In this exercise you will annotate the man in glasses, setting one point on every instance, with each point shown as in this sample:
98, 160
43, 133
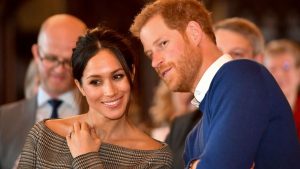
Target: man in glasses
55, 96
240, 38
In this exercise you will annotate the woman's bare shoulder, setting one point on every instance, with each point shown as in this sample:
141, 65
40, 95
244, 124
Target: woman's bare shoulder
62, 127
145, 142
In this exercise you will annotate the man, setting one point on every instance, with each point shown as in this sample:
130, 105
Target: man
179, 130
282, 58
238, 37
246, 118
52, 54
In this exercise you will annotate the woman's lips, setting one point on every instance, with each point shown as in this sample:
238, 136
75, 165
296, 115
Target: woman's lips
112, 103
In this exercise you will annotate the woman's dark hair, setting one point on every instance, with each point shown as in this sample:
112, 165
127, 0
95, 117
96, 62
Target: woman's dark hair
98, 39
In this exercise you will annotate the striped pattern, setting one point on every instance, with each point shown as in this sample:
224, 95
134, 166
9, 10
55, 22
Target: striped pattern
46, 149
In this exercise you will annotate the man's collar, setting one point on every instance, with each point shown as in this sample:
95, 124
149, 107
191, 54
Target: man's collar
205, 81
68, 97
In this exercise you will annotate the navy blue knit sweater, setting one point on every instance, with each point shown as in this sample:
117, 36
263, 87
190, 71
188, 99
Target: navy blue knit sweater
246, 119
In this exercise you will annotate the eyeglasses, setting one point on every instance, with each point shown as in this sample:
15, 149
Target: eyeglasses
52, 61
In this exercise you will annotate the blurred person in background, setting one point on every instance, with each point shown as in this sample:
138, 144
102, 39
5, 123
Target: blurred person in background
55, 96
282, 58
240, 38
32, 80
165, 107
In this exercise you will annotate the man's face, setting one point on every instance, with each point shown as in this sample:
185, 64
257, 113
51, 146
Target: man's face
173, 58
55, 78
234, 44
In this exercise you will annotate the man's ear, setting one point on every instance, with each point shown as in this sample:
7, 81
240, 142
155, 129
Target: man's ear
35, 52
79, 87
194, 32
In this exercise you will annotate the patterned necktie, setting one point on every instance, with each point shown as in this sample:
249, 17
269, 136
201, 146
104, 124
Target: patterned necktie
54, 104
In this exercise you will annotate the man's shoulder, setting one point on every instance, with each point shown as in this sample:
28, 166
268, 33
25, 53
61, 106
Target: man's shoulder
184, 123
187, 118
242, 64
241, 69
18, 106
12, 105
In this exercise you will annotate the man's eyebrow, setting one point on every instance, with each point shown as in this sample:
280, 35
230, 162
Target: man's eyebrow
156, 41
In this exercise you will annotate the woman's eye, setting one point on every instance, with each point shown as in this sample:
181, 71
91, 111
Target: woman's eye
95, 82
118, 76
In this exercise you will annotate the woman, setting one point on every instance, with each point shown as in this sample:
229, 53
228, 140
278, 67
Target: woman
165, 107
103, 69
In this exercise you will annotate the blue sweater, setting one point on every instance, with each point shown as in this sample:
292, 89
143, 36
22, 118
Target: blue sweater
246, 119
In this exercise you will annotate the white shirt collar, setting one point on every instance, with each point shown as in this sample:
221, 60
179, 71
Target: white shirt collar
67, 98
205, 81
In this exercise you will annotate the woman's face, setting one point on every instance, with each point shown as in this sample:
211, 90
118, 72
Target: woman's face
105, 85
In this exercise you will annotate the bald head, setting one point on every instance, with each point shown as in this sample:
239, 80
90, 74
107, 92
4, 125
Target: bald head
63, 29
57, 38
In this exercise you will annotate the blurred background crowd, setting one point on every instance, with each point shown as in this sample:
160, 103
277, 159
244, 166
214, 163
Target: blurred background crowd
20, 21
155, 107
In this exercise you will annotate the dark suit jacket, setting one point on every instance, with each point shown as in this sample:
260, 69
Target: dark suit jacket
180, 128
16, 119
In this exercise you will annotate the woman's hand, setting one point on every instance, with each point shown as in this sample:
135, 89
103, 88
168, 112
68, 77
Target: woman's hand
82, 139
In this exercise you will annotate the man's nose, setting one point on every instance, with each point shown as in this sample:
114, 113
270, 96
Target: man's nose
157, 59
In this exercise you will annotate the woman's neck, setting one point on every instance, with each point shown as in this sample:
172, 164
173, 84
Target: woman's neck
107, 129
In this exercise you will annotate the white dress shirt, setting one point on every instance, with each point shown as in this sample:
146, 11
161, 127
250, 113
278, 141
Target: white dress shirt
204, 83
69, 107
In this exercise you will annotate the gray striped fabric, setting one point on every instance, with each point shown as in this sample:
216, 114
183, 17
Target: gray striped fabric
46, 149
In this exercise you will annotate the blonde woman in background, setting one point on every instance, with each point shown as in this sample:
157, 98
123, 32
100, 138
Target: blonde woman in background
166, 106
32, 80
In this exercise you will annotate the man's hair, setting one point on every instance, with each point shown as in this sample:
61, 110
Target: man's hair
282, 46
176, 14
245, 28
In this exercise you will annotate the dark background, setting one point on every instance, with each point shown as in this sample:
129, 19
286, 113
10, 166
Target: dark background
20, 21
